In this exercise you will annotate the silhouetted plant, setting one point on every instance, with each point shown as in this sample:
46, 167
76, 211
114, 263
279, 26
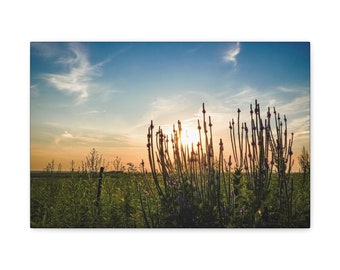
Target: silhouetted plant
93, 161
304, 162
258, 150
189, 181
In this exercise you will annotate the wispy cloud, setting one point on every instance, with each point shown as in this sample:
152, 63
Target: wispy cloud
297, 106
79, 76
92, 112
67, 135
92, 139
300, 126
34, 90
194, 49
286, 89
46, 49
165, 108
231, 54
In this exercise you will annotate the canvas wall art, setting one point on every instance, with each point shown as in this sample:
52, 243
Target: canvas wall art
170, 134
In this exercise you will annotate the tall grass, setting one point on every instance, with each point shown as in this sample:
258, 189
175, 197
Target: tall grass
258, 151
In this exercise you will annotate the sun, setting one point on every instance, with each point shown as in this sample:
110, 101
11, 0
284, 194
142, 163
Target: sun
190, 136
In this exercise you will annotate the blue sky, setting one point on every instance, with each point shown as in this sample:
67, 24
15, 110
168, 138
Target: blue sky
103, 95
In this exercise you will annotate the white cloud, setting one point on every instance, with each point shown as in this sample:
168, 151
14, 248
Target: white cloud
80, 73
45, 49
232, 53
67, 135
90, 138
286, 89
93, 112
297, 105
62, 137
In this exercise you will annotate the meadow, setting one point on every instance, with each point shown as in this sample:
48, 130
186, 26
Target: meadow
187, 185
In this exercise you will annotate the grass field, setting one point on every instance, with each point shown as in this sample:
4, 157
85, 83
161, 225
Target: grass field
69, 200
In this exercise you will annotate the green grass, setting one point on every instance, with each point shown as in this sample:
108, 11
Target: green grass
68, 200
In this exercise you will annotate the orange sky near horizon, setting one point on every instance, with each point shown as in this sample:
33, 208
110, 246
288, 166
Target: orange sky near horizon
41, 156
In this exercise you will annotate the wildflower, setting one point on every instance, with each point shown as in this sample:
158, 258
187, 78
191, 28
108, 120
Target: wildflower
179, 125
230, 163
221, 143
245, 127
268, 113
238, 110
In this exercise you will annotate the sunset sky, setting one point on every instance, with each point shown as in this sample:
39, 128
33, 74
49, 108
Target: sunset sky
103, 95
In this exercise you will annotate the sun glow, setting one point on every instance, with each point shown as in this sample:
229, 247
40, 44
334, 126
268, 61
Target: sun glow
190, 136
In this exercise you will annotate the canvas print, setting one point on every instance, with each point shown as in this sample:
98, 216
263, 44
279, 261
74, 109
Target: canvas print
170, 134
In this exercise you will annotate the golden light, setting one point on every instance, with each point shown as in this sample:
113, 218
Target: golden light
190, 136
